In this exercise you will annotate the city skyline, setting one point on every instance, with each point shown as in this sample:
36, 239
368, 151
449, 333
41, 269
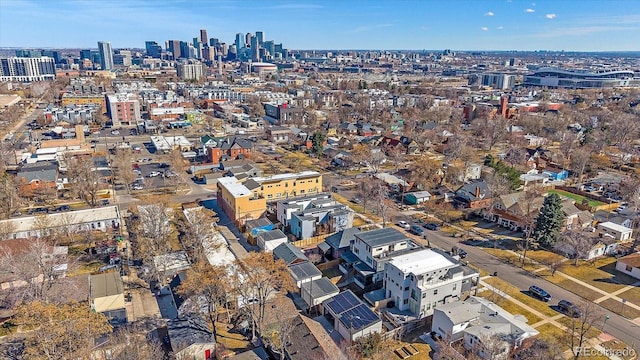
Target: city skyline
411, 25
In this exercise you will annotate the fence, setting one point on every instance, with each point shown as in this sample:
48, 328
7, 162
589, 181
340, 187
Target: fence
310, 242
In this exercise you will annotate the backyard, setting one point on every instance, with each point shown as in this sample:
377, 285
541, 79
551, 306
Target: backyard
576, 197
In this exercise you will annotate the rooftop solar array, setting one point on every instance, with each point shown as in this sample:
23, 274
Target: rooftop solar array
342, 302
359, 317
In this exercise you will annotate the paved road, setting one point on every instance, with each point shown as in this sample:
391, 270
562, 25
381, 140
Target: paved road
616, 325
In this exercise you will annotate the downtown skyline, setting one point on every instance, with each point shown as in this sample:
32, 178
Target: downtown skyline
410, 25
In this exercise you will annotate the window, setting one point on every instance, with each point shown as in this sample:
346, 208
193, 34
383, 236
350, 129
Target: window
455, 286
424, 295
435, 292
406, 288
405, 301
628, 268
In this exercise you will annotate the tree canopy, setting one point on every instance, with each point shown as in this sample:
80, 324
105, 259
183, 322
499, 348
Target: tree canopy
549, 221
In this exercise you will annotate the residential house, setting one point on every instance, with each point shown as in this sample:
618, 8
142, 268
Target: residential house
309, 340
475, 195
231, 148
289, 253
304, 272
555, 174
475, 319
278, 134
321, 217
107, 296
171, 264
629, 265
618, 232
240, 168
96, 219
338, 243
369, 251
600, 245
421, 280
190, 338
350, 316
269, 240
285, 208
38, 176
347, 128
317, 291
48, 257
514, 211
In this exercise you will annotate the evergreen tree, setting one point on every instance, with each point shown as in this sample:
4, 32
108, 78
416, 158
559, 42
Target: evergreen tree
549, 221
317, 141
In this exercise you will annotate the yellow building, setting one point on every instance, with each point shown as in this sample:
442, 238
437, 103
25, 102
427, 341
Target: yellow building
284, 186
238, 202
107, 295
247, 200
68, 99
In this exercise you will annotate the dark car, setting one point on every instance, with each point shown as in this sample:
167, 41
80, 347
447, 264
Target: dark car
463, 254
416, 230
432, 226
62, 208
164, 166
569, 308
539, 293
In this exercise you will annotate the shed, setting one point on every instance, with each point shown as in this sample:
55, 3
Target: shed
269, 240
315, 292
304, 272
417, 197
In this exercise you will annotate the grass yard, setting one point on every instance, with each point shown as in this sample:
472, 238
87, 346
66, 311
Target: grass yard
357, 207
357, 222
424, 350
517, 294
617, 307
512, 307
544, 257
553, 334
86, 268
574, 287
506, 256
592, 273
621, 349
231, 341
633, 293
331, 272
592, 333
576, 197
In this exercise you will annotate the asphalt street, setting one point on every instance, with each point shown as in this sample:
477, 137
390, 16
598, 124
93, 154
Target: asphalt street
616, 325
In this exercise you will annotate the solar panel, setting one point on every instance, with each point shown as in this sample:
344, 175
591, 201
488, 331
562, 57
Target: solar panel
343, 301
359, 317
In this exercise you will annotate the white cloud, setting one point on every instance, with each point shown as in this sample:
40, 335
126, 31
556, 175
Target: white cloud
490, 13
550, 16
533, 4
365, 28
530, 10
484, 28
500, 27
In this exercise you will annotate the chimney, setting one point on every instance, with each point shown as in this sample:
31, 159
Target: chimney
477, 191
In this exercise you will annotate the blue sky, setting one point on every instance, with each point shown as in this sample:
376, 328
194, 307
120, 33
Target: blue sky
581, 25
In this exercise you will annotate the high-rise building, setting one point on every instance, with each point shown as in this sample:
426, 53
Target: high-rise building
184, 50
260, 37
174, 48
85, 54
190, 70
123, 57
239, 41
214, 41
153, 49
247, 39
270, 46
203, 36
29, 53
123, 109
106, 55
255, 49
55, 54
27, 69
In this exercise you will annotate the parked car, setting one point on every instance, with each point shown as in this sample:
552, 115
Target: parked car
569, 308
154, 174
539, 293
115, 132
403, 224
415, 229
62, 208
164, 165
137, 186
432, 226
356, 200
463, 254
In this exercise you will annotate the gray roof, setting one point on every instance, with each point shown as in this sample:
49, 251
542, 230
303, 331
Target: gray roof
379, 237
106, 284
342, 239
321, 287
468, 191
252, 224
186, 332
272, 235
303, 271
289, 253
43, 175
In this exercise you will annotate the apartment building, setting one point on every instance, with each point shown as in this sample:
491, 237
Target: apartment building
27, 69
238, 201
420, 280
322, 217
123, 109
287, 185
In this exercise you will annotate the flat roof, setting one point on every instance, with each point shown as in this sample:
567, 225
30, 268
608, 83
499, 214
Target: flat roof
321, 287
420, 262
70, 217
615, 227
305, 270
234, 186
107, 284
287, 176
379, 237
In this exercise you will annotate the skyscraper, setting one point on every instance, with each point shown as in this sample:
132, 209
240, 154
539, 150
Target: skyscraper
255, 49
239, 41
174, 48
153, 49
260, 37
270, 47
203, 36
27, 69
247, 39
85, 54
106, 55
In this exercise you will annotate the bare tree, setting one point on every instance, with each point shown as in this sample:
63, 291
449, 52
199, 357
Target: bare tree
397, 154
491, 130
575, 335
153, 228
197, 229
10, 200
574, 243
539, 349
122, 160
85, 180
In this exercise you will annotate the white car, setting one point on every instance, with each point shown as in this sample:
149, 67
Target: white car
154, 174
115, 132
403, 224
137, 186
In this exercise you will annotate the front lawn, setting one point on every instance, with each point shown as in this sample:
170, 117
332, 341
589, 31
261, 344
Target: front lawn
511, 307
620, 309
517, 294
593, 274
574, 287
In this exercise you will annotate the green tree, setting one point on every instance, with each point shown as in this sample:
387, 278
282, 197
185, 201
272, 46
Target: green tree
317, 140
549, 221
